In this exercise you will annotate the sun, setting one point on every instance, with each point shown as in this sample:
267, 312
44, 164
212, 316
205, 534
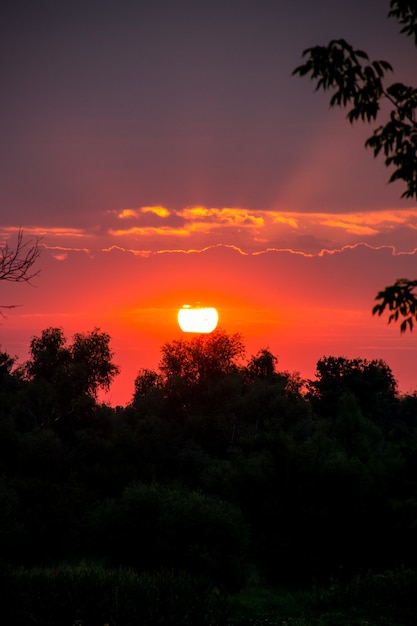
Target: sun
196, 319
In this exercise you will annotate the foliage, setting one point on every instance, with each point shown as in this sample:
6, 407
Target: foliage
10, 384
385, 599
90, 594
202, 358
146, 382
405, 12
401, 300
6, 364
338, 66
92, 362
390, 593
192, 373
64, 376
152, 527
86, 364
51, 358
360, 84
371, 382
262, 365
249, 472
266, 606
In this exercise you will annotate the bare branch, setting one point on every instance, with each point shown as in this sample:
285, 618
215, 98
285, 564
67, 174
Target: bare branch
16, 263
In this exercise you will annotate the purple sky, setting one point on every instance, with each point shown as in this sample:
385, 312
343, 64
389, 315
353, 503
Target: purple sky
116, 104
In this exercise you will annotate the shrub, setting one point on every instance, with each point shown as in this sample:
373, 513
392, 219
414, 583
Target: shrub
154, 526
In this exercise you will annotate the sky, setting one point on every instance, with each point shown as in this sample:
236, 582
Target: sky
164, 154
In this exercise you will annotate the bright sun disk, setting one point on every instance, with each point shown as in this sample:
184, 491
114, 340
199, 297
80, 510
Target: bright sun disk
195, 319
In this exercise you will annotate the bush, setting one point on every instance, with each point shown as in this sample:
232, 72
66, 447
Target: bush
154, 526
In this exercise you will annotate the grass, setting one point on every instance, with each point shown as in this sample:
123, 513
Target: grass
267, 606
95, 595
388, 599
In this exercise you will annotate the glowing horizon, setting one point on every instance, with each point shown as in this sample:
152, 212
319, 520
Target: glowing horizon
300, 305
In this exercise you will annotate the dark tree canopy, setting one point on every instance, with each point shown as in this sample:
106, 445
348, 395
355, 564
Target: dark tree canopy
203, 357
147, 381
360, 84
262, 365
64, 374
92, 364
236, 474
50, 356
372, 383
6, 364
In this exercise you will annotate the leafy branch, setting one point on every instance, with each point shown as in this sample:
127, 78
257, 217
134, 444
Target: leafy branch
357, 82
400, 299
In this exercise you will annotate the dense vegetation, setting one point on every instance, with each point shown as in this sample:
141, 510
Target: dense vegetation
222, 472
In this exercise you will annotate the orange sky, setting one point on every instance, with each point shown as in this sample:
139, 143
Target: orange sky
302, 302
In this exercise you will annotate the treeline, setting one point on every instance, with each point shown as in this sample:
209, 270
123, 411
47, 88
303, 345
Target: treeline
221, 467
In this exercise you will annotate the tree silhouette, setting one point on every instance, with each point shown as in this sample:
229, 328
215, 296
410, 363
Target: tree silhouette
203, 357
262, 365
65, 376
372, 383
358, 83
16, 262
